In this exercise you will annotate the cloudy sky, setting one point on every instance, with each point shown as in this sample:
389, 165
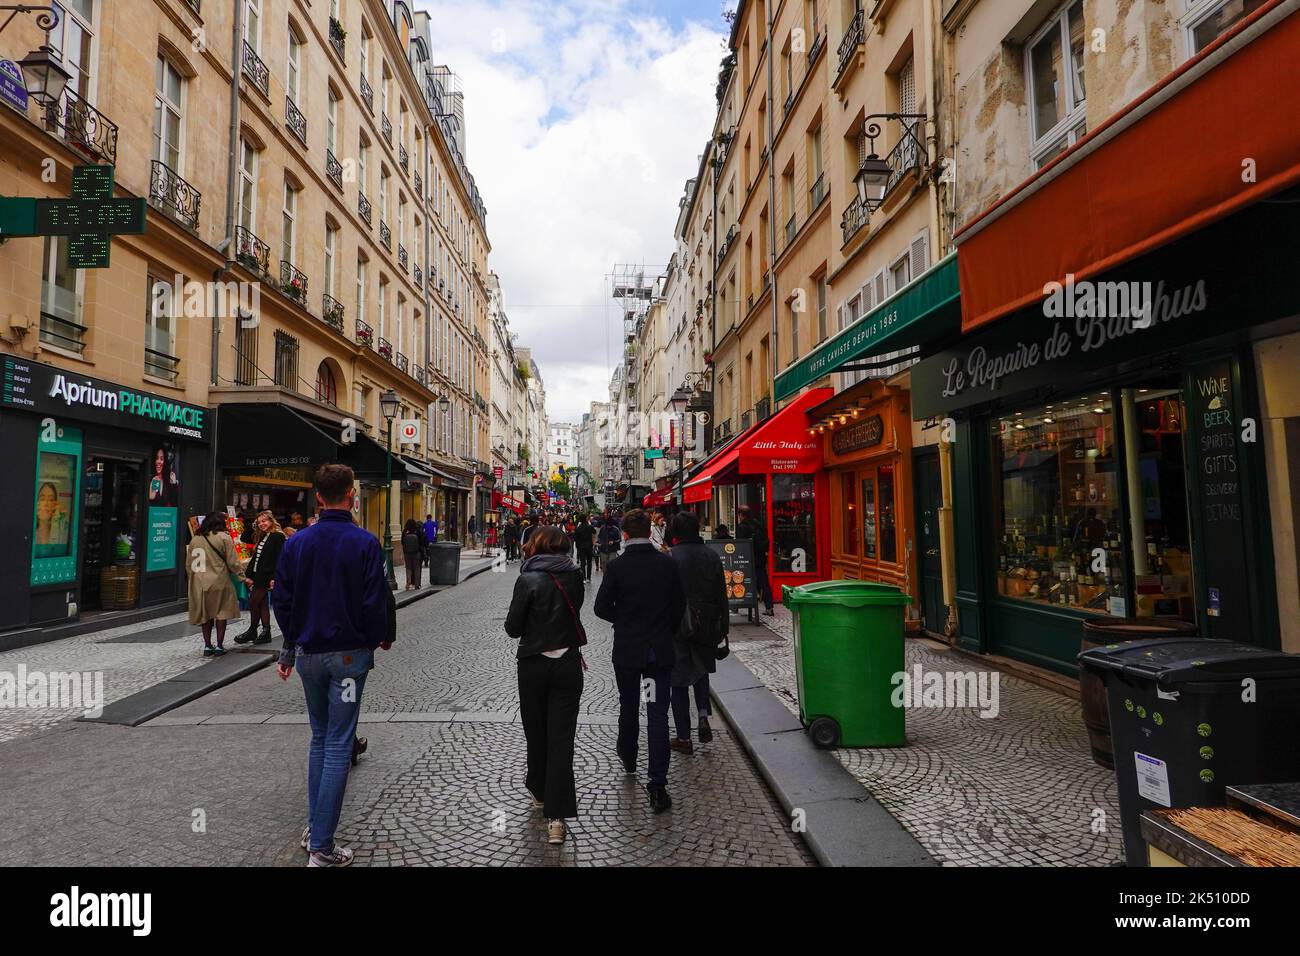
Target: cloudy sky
584, 120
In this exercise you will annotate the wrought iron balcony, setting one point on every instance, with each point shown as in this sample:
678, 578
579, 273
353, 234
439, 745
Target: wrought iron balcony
401, 256
193, 5
367, 95
365, 334
256, 70
386, 127
745, 419
403, 158
252, 252
333, 169
817, 193
363, 207
855, 217
338, 36
903, 159
385, 235
762, 409
294, 119
331, 311
854, 36
817, 46
385, 348
418, 276
293, 282
420, 374
791, 227
173, 195
418, 184
402, 362
83, 127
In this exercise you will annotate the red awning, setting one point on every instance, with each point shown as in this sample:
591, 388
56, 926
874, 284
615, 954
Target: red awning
777, 445
1214, 136
655, 499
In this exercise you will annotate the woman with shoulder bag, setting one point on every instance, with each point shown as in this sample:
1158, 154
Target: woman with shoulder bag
210, 560
268, 538
544, 618
703, 630
412, 553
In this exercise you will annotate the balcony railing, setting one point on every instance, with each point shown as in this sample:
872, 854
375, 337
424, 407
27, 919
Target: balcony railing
337, 37
418, 184
791, 227
365, 335
854, 36
331, 311
762, 409
402, 362
746, 418
161, 365
256, 70
385, 235
173, 195
333, 169
403, 158
83, 127
293, 282
386, 127
855, 217
817, 46
252, 252
367, 95
903, 159
420, 375
363, 207
817, 193
401, 256
385, 348
62, 332
294, 119
418, 276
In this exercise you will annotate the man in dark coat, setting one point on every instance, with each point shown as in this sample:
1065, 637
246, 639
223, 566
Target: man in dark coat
755, 529
641, 593
704, 627
584, 540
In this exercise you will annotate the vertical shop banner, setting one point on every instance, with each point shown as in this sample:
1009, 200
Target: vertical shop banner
160, 550
1215, 420
58, 491
738, 571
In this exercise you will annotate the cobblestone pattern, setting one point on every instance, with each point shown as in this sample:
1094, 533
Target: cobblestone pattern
1016, 789
444, 786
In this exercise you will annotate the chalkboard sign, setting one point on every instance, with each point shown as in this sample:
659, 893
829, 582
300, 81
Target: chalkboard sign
1216, 473
738, 570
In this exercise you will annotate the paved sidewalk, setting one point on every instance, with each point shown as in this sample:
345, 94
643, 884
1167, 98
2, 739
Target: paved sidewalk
1016, 789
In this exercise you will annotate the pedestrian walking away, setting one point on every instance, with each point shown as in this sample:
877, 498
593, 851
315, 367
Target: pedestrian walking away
412, 553
755, 529
608, 541
544, 617
430, 535
473, 531
331, 600
641, 594
211, 562
268, 540
584, 542
704, 627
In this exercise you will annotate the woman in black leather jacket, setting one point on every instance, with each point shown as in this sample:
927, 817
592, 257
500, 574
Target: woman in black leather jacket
544, 618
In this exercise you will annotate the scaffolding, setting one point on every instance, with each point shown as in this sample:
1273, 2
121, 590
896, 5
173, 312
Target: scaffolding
634, 289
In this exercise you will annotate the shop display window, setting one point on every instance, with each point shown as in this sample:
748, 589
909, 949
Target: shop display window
794, 524
850, 544
888, 517
1058, 513
869, 517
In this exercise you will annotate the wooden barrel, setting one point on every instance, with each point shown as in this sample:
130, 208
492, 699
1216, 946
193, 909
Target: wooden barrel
1092, 688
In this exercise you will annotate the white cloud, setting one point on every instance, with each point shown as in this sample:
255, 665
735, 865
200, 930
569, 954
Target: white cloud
584, 119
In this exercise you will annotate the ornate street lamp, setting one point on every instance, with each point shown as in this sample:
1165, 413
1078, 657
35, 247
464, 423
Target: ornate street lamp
44, 77
873, 174
390, 404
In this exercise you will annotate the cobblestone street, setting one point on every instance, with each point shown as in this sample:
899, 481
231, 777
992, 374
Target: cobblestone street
442, 782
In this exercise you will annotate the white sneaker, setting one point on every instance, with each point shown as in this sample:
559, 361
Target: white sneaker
555, 831
339, 856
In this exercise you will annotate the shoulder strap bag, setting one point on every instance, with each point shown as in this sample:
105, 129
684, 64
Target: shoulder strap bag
577, 621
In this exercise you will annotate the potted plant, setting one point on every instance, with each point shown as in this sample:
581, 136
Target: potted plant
334, 315
296, 289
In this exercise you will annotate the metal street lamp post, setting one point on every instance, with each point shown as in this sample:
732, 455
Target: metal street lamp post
389, 404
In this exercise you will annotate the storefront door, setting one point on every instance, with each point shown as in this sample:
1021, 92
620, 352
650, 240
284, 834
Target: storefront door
111, 555
929, 504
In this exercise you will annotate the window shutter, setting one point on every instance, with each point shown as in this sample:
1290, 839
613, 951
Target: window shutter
879, 281
920, 253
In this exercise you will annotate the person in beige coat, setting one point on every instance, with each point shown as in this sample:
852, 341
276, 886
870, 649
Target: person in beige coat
210, 561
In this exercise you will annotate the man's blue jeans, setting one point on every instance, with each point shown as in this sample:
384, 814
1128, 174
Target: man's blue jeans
332, 684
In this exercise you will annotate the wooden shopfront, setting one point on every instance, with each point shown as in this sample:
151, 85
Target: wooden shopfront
866, 434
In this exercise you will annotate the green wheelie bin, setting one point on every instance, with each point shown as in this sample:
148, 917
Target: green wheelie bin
848, 645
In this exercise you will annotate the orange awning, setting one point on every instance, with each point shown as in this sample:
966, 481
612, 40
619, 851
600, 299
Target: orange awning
777, 445
1213, 137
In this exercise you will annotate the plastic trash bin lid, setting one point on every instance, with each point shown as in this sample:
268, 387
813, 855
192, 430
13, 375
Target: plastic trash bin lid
1196, 659
847, 594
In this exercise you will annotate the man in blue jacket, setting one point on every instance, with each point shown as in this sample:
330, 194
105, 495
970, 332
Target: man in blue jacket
643, 596
331, 600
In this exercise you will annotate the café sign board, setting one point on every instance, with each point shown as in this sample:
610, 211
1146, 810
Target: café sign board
864, 434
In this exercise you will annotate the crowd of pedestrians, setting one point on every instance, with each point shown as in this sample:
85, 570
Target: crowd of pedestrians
325, 579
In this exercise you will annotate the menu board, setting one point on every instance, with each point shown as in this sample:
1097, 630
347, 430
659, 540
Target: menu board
1216, 471
738, 570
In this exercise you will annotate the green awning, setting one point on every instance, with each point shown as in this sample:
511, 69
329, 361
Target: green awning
919, 312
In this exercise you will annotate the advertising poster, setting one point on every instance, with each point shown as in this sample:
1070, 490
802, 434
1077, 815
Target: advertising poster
160, 551
54, 523
164, 480
738, 570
